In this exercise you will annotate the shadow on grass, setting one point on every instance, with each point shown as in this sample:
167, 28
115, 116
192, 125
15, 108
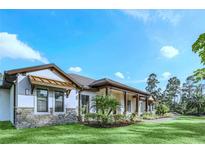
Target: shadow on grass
6, 125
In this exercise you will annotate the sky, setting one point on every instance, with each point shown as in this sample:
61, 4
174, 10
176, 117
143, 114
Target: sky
124, 45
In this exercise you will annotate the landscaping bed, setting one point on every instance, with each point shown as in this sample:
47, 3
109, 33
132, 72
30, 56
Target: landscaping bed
108, 125
151, 116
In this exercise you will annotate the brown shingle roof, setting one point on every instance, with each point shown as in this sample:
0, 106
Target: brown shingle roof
89, 83
109, 82
83, 81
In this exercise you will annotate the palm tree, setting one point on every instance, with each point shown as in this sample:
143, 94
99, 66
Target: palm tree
197, 101
105, 104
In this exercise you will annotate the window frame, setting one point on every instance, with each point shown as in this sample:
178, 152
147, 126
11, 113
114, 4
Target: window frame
42, 112
54, 107
81, 102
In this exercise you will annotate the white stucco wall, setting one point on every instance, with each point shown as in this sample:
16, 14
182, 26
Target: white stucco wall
30, 101
24, 100
47, 74
133, 104
91, 97
72, 99
4, 105
141, 107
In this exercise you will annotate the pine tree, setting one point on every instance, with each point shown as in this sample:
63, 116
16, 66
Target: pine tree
171, 92
152, 86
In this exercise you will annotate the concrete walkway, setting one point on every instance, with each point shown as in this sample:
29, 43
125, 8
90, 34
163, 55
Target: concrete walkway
160, 120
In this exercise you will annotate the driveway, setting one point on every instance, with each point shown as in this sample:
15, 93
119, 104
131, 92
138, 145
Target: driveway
160, 120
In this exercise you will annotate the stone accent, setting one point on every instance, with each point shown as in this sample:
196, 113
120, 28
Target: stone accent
26, 118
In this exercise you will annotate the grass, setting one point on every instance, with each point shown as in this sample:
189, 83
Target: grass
185, 129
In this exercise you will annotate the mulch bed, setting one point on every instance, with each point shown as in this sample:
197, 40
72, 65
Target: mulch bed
100, 125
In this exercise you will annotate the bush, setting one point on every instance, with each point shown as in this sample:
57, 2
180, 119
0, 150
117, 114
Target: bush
90, 117
149, 116
104, 119
167, 115
134, 118
118, 117
161, 109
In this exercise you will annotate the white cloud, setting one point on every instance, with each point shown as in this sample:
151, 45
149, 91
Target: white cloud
169, 16
141, 14
169, 51
166, 75
75, 69
119, 75
11, 47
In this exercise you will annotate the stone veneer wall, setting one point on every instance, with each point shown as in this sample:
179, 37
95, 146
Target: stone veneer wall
25, 118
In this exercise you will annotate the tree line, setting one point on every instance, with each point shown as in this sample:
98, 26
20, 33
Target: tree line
183, 98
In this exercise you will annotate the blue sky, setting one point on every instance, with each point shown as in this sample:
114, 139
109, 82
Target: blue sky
124, 45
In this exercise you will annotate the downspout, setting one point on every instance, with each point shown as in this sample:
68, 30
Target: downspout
79, 115
14, 108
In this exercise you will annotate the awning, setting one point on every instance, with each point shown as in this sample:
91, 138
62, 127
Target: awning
36, 80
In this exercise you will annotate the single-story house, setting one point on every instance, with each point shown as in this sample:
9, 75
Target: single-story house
46, 95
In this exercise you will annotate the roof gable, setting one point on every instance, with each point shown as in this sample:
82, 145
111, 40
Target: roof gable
52, 67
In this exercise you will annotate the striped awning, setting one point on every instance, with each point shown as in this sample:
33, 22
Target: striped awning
36, 80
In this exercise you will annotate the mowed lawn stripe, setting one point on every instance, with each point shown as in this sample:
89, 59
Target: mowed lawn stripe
185, 129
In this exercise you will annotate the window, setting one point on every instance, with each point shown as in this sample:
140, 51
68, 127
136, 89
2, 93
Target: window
42, 100
59, 101
129, 106
85, 103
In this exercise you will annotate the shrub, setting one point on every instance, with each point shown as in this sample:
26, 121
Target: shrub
149, 116
168, 115
90, 117
118, 117
161, 109
104, 119
133, 117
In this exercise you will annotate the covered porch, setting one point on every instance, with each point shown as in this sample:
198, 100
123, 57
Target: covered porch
130, 101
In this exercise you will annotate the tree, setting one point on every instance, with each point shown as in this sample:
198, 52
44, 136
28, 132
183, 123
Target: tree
199, 48
105, 104
187, 91
152, 84
197, 101
161, 109
188, 88
172, 91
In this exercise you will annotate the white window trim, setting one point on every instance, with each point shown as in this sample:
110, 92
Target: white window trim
35, 109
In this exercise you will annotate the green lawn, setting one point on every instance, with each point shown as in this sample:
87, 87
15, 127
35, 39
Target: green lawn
183, 130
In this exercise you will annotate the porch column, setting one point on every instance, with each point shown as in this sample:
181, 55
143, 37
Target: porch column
79, 104
125, 102
137, 101
146, 104
106, 91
